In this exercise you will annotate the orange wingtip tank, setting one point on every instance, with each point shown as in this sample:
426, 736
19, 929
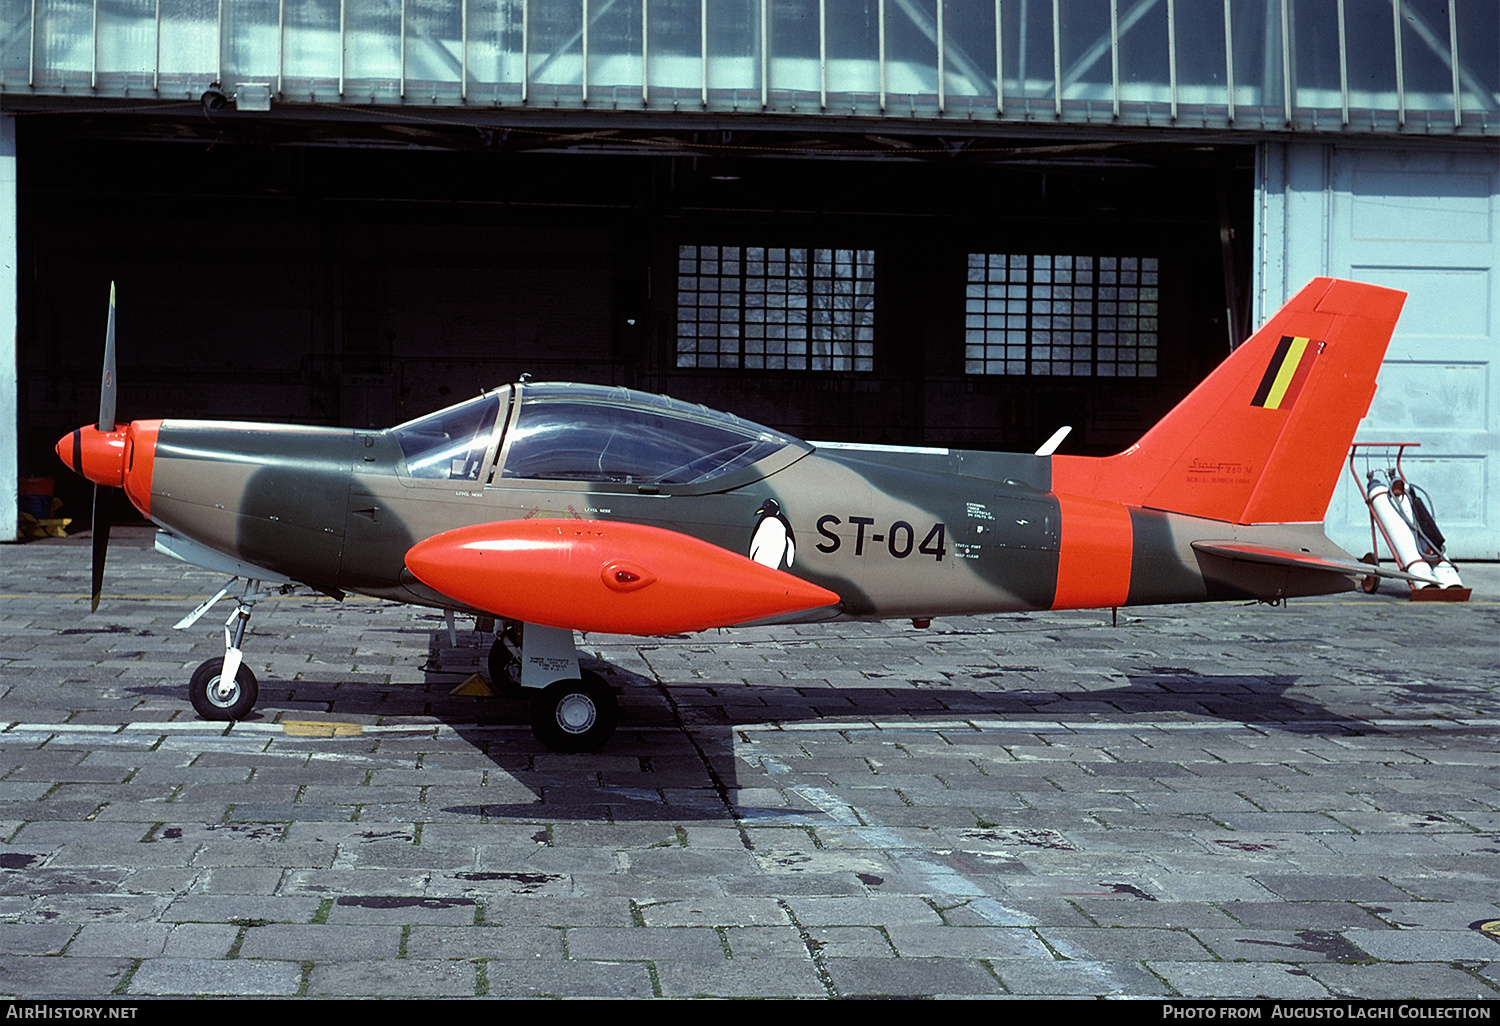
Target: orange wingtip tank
606, 576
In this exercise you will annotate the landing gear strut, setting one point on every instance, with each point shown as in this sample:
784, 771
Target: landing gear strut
572, 710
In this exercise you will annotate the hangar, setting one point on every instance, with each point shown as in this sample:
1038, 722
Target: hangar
925, 222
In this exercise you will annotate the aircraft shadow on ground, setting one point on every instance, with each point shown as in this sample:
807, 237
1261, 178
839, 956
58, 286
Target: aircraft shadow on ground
673, 755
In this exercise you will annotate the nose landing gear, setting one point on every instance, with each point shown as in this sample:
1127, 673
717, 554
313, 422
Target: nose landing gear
224, 688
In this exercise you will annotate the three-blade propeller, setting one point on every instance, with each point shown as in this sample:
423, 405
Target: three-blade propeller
103, 500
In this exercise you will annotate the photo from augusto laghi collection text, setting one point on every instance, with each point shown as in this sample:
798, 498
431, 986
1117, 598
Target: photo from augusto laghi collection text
1353, 1010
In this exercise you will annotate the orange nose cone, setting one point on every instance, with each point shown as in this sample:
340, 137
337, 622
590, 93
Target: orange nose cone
97, 455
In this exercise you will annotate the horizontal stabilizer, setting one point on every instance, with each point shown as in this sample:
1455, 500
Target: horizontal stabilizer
1270, 556
607, 576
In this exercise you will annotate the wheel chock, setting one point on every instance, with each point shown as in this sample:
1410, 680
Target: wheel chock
476, 687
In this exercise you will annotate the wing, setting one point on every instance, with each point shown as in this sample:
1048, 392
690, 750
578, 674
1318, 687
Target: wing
607, 576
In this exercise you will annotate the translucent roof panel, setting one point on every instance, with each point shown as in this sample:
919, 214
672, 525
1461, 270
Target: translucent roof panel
1383, 66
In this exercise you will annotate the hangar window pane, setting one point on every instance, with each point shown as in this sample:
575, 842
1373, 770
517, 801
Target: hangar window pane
1051, 315
776, 308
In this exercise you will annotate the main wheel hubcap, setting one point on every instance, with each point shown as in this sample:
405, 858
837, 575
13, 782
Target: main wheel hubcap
576, 713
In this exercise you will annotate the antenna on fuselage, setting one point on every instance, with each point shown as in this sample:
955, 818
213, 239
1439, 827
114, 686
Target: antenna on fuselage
1050, 445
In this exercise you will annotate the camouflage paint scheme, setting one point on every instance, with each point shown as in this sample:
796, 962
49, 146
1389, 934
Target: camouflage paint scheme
1221, 499
894, 533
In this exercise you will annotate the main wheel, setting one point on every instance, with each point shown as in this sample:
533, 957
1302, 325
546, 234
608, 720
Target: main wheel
575, 715
234, 703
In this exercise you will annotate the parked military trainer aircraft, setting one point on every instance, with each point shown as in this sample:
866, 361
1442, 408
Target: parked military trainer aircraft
564, 507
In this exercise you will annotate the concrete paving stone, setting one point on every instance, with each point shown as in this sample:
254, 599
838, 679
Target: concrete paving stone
228, 908
97, 905
1308, 887
911, 977
1078, 978
400, 853
215, 977
200, 940
1489, 974
764, 941
715, 911
1441, 915
1119, 943
24, 976
1360, 846
35, 938
1069, 888
1425, 945
1473, 889
1303, 915
1176, 885
1242, 980
507, 943
840, 942
1192, 915
986, 942
788, 885
824, 910
1008, 911
394, 978
22, 791
571, 978
242, 880
742, 977
1395, 981
642, 943
44, 832
122, 940
1399, 822
1294, 946
321, 942
404, 909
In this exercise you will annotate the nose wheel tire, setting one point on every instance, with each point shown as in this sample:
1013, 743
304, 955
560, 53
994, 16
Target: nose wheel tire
215, 701
575, 715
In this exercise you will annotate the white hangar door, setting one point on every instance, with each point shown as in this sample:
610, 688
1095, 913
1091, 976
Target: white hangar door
1425, 220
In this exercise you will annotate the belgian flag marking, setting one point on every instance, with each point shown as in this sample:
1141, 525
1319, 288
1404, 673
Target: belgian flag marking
1286, 373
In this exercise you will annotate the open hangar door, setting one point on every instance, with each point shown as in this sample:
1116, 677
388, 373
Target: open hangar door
295, 277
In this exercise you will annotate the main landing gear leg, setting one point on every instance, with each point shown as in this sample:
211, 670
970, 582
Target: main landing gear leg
225, 688
572, 710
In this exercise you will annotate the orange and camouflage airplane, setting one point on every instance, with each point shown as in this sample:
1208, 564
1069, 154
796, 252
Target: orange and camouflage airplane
558, 508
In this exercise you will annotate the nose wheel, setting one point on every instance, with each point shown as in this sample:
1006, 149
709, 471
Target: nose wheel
575, 715
218, 697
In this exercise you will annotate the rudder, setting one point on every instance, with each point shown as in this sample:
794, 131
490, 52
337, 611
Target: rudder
1263, 438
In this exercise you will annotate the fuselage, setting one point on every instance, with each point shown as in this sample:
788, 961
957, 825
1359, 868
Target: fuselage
893, 532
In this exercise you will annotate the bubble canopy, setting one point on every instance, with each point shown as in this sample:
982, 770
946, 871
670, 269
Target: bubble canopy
573, 432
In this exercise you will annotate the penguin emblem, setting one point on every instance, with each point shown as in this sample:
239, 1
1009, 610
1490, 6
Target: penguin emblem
772, 543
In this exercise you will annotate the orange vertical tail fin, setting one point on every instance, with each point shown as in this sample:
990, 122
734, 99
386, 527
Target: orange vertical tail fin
1263, 438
